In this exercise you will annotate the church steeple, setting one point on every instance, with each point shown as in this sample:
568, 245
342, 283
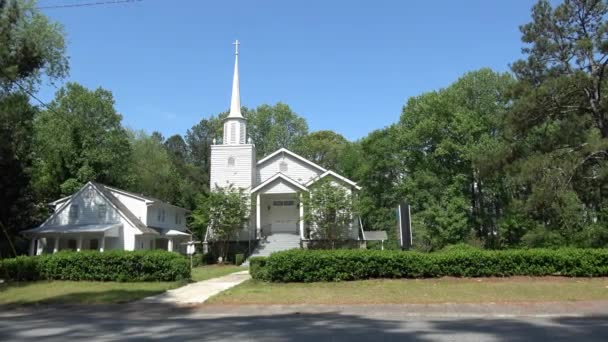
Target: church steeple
234, 125
235, 102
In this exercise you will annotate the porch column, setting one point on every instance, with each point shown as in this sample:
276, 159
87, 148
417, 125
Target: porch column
32, 246
56, 247
79, 244
102, 243
301, 218
258, 216
170, 245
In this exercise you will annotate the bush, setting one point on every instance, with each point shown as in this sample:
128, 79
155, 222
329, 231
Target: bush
239, 259
91, 265
20, 268
257, 268
336, 265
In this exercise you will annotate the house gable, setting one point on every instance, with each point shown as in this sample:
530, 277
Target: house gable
87, 206
289, 164
277, 184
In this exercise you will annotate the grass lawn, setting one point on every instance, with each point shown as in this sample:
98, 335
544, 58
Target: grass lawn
79, 292
402, 291
214, 271
97, 292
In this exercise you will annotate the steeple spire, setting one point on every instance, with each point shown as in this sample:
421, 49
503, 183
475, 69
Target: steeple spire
235, 102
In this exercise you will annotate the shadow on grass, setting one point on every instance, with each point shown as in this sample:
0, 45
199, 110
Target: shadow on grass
28, 293
138, 321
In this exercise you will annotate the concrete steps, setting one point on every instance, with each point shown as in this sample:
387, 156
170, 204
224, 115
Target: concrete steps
275, 243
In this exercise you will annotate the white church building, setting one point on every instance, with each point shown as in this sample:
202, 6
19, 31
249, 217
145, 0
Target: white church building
273, 182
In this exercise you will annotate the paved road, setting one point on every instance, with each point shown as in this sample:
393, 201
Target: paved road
303, 323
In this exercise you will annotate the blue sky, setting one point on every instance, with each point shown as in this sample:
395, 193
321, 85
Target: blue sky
347, 66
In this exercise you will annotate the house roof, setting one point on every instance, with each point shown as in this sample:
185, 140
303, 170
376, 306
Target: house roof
335, 175
286, 151
123, 209
75, 228
278, 175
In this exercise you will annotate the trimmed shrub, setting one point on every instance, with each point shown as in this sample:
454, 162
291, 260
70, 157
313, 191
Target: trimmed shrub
257, 268
337, 265
239, 259
20, 268
107, 266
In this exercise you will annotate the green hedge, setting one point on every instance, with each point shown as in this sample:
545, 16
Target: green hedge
92, 265
336, 265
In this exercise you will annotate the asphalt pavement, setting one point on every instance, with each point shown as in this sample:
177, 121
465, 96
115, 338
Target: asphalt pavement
446, 322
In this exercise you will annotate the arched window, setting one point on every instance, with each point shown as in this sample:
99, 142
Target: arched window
230, 161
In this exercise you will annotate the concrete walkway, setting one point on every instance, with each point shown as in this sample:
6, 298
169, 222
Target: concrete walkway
199, 292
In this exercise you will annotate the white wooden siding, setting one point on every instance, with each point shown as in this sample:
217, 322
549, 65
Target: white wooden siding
296, 169
279, 186
240, 175
169, 217
136, 205
88, 202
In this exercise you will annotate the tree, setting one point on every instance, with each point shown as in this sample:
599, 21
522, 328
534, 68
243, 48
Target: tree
328, 211
224, 211
379, 171
79, 139
18, 210
152, 170
440, 135
556, 133
199, 139
31, 47
273, 127
322, 147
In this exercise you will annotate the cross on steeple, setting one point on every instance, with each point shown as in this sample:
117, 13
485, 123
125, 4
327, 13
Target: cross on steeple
236, 46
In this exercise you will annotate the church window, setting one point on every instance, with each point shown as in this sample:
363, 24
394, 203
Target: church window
242, 133
230, 161
233, 133
283, 166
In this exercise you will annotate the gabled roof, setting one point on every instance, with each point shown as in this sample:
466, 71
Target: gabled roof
286, 151
335, 175
123, 209
114, 202
278, 175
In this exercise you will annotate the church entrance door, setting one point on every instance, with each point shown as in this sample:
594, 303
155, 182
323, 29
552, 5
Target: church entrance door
284, 216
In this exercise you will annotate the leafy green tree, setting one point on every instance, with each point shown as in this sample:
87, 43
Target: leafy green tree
18, 210
31, 47
556, 134
79, 139
328, 212
379, 171
324, 148
224, 211
152, 170
273, 127
440, 134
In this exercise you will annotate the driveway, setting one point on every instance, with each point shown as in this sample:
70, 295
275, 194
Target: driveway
308, 323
